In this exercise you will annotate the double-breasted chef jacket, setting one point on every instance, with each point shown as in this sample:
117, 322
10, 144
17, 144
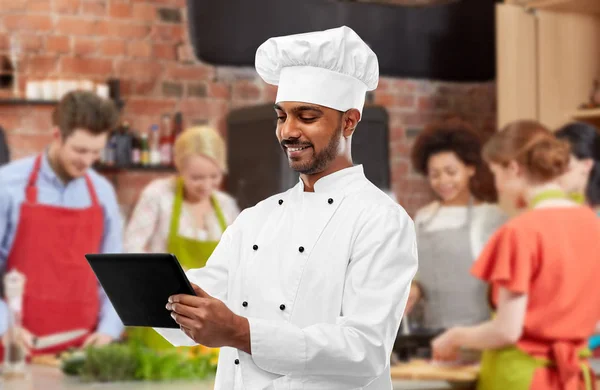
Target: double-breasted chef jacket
323, 278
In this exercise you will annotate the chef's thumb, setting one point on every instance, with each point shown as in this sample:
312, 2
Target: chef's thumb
199, 292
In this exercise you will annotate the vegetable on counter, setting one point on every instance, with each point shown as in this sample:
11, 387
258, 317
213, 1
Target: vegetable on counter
130, 362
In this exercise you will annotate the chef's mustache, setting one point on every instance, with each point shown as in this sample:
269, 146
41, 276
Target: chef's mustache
293, 144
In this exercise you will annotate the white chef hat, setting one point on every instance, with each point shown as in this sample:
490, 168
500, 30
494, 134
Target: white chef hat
333, 68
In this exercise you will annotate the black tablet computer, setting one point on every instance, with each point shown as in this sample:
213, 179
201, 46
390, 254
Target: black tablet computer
139, 285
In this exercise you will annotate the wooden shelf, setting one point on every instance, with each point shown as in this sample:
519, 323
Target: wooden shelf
591, 115
582, 6
39, 102
133, 168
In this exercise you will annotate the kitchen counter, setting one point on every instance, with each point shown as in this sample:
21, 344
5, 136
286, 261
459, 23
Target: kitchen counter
51, 378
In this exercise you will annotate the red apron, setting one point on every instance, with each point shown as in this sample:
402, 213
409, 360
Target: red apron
61, 290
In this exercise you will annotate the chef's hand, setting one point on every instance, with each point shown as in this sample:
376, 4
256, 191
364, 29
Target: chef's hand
208, 321
445, 347
97, 340
414, 297
24, 338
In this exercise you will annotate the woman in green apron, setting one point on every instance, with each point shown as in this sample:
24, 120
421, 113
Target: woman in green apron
184, 215
541, 272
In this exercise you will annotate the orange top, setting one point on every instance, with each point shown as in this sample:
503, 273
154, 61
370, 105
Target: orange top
553, 256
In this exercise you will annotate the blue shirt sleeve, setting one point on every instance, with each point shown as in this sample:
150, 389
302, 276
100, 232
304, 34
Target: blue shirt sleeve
112, 242
4, 229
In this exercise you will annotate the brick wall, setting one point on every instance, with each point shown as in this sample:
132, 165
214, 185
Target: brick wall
145, 45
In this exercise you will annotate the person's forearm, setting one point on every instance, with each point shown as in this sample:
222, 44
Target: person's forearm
488, 335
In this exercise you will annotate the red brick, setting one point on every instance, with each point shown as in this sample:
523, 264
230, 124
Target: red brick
405, 101
58, 44
30, 42
165, 51
185, 53
433, 103
39, 6
167, 32
28, 22
86, 66
245, 90
15, 5
269, 92
85, 46
45, 64
10, 120
96, 8
397, 133
384, 99
144, 12
4, 42
203, 108
119, 10
219, 90
139, 70
126, 30
190, 72
67, 6
112, 48
145, 87
139, 49
78, 26
146, 106
404, 86
28, 144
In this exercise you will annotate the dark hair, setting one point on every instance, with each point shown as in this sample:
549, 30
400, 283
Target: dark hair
585, 143
457, 136
84, 110
532, 146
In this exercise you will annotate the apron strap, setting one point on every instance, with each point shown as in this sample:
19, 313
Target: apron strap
91, 190
219, 212
177, 202
31, 190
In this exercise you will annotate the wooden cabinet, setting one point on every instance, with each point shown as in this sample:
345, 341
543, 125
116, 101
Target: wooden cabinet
548, 58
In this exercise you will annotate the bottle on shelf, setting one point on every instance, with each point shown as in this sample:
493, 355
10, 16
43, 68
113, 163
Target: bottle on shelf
177, 124
145, 150
111, 149
166, 141
136, 148
123, 141
154, 145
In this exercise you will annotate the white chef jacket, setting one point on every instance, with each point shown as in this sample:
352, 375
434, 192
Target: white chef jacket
323, 278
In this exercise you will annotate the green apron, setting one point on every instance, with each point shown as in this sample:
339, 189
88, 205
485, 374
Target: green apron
512, 368
191, 253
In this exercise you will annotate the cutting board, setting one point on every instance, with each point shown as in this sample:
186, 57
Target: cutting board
425, 370
46, 360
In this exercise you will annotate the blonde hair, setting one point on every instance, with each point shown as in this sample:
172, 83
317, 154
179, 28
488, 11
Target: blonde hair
200, 141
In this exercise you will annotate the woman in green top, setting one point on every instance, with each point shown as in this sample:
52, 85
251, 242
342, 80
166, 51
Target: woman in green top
184, 214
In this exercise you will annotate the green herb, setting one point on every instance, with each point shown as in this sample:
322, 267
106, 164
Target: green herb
132, 361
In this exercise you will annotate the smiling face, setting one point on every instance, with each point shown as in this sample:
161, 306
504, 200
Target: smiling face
310, 136
449, 177
201, 177
78, 152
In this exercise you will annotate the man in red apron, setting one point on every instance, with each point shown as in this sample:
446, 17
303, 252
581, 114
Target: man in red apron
53, 210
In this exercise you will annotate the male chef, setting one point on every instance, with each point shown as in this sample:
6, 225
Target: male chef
53, 210
307, 288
